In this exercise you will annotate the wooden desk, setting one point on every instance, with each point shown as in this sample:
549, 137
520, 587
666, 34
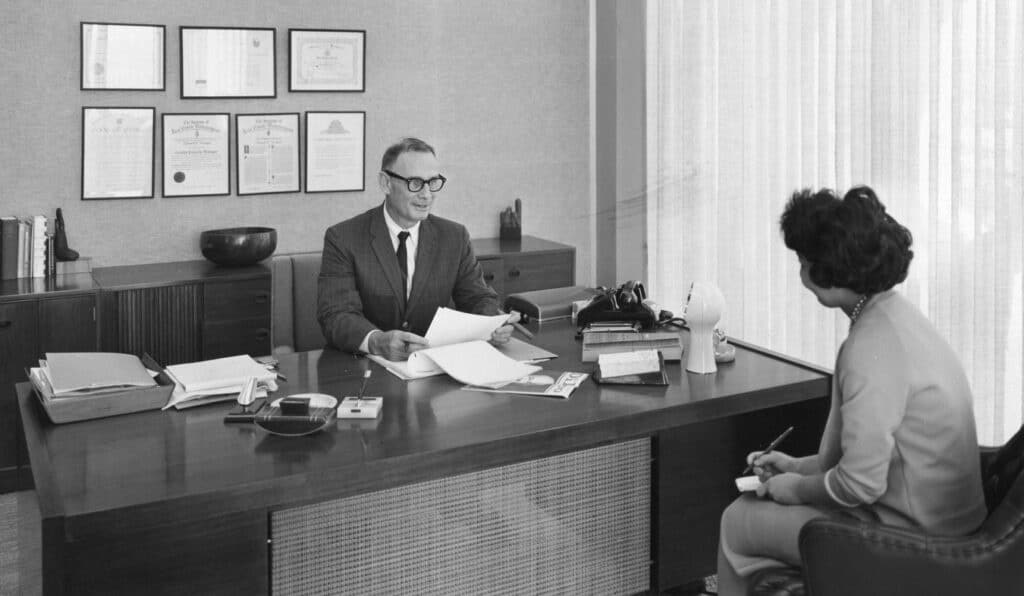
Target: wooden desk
179, 502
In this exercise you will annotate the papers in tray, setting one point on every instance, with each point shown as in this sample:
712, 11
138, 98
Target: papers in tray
549, 383
643, 367
70, 374
459, 347
221, 379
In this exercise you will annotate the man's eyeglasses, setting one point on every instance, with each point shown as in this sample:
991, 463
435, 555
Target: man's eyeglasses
416, 184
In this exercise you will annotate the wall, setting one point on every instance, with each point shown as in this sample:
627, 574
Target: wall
620, 132
499, 87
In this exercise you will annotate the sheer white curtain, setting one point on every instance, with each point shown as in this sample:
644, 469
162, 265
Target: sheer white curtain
922, 100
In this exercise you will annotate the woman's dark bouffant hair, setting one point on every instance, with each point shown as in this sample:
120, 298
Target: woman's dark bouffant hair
850, 242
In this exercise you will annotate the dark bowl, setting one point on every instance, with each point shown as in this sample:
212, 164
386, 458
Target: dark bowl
238, 246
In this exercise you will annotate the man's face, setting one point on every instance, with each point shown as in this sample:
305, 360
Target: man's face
405, 207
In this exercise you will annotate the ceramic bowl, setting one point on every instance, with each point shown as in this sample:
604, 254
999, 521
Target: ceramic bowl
237, 247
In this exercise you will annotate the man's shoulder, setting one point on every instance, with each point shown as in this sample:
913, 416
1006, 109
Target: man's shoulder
447, 227
354, 223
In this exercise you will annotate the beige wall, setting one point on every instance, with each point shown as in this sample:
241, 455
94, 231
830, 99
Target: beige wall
620, 133
499, 87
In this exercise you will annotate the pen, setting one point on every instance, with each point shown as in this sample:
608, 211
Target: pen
362, 389
282, 377
771, 446
522, 329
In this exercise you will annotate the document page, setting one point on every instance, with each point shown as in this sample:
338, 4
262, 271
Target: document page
475, 363
451, 327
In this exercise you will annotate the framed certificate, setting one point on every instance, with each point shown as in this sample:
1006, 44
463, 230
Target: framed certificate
117, 153
326, 60
218, 62
335, 151
267, 153
123, 57
195, 155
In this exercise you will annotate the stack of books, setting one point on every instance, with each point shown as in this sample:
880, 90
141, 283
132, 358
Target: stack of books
606, 339
23, 246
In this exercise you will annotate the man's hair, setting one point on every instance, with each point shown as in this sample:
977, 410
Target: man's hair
404, 146
848, 243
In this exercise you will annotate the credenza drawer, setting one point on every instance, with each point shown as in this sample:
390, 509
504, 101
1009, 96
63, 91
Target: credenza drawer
231, 301
230, 338
494, 274
526, 272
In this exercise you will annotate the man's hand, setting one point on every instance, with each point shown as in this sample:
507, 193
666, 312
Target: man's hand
502, 334
782, 488
395, 345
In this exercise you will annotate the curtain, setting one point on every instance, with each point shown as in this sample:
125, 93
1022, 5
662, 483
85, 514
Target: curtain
748, 101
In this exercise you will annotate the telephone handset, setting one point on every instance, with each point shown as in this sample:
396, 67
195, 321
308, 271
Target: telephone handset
627, 302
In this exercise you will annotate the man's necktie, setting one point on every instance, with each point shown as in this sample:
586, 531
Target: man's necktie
403, 262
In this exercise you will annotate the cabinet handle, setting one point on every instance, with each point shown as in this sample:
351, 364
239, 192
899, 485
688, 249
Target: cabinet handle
514, 273
262, 297
488, 277
5, 324
262, 333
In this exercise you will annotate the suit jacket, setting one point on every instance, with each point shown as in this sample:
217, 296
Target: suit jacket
360, 284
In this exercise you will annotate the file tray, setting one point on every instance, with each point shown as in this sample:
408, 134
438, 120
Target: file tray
550, 304
61, 410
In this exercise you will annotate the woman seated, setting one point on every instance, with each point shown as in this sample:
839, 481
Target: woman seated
899, 446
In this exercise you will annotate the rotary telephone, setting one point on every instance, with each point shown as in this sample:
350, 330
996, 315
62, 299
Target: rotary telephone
627, 303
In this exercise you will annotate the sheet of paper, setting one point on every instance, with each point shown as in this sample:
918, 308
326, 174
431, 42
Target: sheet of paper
402, 369
475, 363
451, 326
747, 483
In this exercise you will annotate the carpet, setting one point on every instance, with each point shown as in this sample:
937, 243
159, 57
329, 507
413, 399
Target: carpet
20, 544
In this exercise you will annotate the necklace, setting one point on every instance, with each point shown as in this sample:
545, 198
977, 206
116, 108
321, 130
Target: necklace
855, 314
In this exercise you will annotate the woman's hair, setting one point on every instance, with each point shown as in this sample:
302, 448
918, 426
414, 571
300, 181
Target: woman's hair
848, 243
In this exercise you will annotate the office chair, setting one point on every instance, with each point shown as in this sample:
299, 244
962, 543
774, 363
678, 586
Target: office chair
849, 557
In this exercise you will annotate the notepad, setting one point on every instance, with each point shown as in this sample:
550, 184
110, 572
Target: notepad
747, 483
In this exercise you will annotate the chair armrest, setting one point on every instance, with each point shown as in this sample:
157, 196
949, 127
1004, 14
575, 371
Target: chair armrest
844, 557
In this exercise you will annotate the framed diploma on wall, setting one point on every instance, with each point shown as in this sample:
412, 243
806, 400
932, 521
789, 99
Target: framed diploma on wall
267, 153
117, 153
221, 62
123, 57
195, 155
326, 60
335, 151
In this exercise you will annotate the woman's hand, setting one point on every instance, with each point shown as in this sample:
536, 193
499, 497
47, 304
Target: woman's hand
781, 488
769, 464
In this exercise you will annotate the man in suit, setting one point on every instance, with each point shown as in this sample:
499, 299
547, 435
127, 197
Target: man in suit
386, 271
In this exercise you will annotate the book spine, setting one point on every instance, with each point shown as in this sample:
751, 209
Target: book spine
51, 257
9, 231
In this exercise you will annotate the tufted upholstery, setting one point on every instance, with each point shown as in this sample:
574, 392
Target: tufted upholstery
850, 558
295, 327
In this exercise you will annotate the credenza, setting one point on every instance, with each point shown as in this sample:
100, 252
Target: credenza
183, 312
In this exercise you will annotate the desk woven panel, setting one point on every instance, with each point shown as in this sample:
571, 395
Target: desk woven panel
577, 523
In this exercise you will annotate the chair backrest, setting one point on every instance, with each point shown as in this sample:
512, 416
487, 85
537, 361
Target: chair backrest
1003, 469
305, 271
283, 310
295, 326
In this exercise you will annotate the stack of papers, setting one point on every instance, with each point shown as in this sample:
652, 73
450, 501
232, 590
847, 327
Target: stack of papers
459, 347
77, 374
221, 379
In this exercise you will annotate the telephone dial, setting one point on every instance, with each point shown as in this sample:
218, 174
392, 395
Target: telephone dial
627, 302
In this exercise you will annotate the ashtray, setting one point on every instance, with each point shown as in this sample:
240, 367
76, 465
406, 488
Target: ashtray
295, 420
